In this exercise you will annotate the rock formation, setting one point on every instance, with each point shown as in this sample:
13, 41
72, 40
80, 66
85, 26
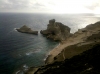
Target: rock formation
25, 29
88, 35
80, 58
79, 54
56, 31
93, 26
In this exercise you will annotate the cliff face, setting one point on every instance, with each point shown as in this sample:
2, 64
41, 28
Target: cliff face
86, 63
93, 26
80, 54
25, 29
88, 36
83, 36
56, 31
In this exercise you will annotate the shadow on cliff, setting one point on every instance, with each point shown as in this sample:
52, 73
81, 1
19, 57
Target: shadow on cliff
87, 62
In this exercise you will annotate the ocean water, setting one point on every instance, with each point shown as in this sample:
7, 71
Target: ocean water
20, 50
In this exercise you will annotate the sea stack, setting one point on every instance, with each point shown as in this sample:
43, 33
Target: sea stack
25, 29
56, 31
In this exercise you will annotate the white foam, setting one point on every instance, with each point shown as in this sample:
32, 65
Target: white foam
18, 72
49, 53
15, 29
31, 52
25, 66
46, 56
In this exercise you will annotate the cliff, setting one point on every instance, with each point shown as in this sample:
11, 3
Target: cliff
86, 63
83, 36
79, 54
25, 29
56, 31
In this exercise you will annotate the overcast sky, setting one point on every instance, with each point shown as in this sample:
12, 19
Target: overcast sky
51, 6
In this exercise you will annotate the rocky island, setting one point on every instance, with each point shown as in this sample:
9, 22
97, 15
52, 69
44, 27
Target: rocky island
56, 31
78, 54
25, 29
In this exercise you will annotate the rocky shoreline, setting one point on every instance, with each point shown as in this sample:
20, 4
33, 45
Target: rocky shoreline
83, 41
81, 37
85, 63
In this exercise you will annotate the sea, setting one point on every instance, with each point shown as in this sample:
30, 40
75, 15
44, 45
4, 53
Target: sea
19, 51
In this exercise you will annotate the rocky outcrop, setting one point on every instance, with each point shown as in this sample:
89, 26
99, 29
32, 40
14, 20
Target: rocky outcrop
25, 29
79, 54
87, 37
56, 31
93, 26
80, 58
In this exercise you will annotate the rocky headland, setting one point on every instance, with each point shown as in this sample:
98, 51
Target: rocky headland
84, 36
26, 29
56, 31
76, 54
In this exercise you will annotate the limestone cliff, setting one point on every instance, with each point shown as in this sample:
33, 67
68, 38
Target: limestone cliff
79, 54
80, 58
86, 37
56, 31
25, 29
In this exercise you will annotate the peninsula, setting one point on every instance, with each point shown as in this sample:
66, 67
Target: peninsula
25, 29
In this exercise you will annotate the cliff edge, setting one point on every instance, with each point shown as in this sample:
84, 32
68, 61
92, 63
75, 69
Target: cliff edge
89, 34
78, 54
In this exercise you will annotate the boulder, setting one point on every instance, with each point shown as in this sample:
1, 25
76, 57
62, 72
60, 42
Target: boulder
56, 31
25, 29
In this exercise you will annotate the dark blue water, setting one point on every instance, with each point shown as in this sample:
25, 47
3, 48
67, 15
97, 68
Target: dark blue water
19, 50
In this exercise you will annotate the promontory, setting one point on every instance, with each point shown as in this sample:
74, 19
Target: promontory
78, 54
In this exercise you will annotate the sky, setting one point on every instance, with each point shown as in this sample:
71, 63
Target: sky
51, 6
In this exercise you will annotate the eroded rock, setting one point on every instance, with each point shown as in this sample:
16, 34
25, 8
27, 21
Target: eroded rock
56, 31
25, 29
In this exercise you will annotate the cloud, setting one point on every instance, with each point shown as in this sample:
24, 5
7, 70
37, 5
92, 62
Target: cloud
61, 6
13, 4
93, 6
23, 5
